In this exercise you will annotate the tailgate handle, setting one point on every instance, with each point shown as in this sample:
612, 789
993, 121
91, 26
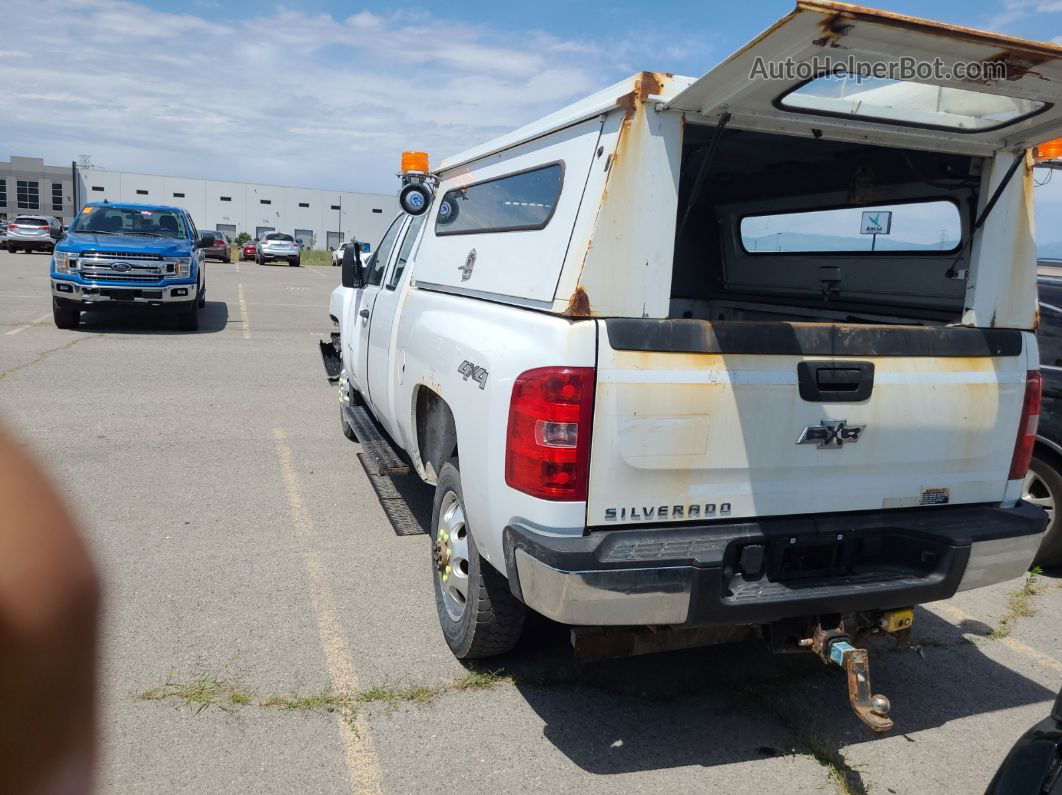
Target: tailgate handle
835, 382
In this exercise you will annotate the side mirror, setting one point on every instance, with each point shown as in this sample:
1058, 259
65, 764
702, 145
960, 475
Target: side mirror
204, 242
351, 275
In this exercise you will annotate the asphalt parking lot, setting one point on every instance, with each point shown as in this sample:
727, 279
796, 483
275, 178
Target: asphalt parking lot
267, 630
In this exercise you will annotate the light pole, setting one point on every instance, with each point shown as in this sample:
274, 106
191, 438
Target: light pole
340, 218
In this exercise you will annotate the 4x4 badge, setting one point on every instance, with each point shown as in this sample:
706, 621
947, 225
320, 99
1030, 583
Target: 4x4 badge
831, 434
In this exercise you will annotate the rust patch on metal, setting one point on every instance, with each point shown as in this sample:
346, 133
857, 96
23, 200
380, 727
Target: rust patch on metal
833, 28
1018, 65
578, 304
648, 84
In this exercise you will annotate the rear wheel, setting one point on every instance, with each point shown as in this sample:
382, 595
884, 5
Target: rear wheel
478, 613
65, 317
1043, 487
294, 263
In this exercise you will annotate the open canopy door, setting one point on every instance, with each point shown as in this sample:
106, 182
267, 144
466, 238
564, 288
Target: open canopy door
964, 90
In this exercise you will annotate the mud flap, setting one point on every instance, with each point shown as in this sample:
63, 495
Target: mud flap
332, 363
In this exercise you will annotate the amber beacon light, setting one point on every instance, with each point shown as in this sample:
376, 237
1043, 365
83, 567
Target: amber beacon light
1049, 150
418, 183
415, 163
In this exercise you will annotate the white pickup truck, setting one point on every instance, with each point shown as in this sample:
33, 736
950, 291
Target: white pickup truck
702, 358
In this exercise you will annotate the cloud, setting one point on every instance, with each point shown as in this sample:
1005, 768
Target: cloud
1016, 10
285, 96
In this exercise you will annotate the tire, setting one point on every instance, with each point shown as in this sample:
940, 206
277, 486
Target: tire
66, 317
490, 619
1043, 487
200, 298
295, 263
189, 319
347, 430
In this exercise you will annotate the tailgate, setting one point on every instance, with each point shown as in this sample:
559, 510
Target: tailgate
696, 420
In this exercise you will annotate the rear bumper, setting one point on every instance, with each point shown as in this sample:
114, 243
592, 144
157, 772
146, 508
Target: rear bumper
268, 256
766, 570
31, 242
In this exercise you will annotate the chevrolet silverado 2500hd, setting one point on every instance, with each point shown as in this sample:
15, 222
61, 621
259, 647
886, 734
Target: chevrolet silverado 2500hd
695, 354
115, 256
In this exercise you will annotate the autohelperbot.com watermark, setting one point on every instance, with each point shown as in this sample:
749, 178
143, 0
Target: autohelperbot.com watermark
902, 68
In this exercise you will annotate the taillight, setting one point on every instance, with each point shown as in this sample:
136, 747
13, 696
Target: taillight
43, 228
547, 446
1030, 418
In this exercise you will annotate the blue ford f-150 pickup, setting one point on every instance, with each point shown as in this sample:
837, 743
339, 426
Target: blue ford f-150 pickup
114, 256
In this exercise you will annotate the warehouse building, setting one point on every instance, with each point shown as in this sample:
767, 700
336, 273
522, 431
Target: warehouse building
320, 218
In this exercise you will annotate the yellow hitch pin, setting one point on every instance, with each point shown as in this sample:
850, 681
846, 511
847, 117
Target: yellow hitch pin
897, 620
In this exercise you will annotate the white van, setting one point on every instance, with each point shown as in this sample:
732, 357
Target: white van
744, 351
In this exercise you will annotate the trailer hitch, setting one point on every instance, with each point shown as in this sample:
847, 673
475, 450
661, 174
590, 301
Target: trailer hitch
835, 646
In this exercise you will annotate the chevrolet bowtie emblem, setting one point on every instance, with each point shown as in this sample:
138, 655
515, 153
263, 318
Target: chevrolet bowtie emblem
831, 434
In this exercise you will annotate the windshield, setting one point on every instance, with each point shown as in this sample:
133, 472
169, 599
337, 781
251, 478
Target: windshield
115, 220
279, 236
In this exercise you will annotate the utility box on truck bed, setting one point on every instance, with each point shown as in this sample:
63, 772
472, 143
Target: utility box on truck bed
740, 351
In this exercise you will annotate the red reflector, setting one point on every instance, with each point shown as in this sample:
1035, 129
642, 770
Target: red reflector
547, 446
1030, 418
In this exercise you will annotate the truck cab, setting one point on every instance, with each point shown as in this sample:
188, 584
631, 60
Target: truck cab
749, 352
115, 256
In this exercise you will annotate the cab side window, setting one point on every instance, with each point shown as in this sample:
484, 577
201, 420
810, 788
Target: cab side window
407, 247
379, 259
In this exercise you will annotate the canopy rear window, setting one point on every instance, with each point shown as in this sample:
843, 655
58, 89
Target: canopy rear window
922, 227
908, 103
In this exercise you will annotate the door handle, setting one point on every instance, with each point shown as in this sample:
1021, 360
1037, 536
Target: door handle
364, 313
835, 382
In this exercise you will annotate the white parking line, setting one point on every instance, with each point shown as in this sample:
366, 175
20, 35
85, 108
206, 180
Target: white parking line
957, 616
362, 765
41, 319
243, 313
237, 264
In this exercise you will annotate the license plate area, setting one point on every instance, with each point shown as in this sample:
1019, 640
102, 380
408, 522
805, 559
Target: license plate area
810, 559
815, 558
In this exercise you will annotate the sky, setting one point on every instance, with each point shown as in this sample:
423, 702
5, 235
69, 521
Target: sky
327, 94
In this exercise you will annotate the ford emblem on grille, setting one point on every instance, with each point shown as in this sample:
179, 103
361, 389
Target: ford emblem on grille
121, 267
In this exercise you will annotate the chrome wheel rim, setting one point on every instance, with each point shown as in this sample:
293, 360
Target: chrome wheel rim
450, 555
1035, 490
